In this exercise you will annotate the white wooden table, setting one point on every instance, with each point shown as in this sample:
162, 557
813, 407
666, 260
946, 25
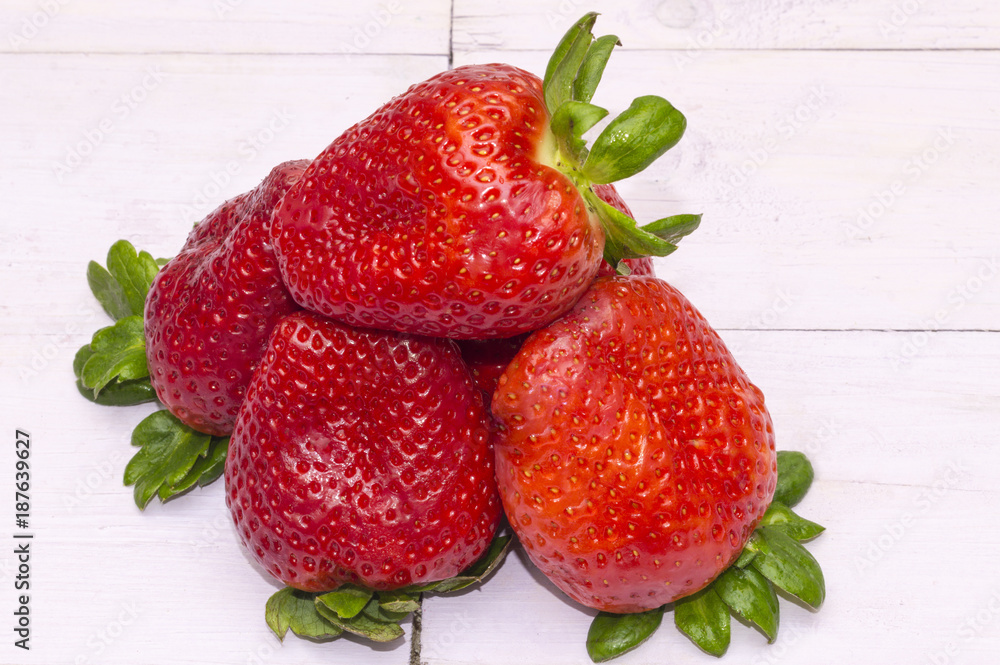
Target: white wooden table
844, 154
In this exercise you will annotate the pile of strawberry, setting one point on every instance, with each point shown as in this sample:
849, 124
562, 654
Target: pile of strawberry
448, 317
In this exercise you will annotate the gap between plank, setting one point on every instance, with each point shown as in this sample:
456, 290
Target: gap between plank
415, 631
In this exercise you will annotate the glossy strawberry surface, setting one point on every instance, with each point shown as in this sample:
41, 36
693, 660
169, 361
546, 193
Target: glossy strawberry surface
211, 308
635, 457
487, 359
440, 214
361, 456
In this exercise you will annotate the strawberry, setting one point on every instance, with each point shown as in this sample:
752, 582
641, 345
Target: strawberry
361, 456
634, 457
487, 359
466, 208
211, 308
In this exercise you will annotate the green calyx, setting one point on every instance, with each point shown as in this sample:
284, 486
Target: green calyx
111, 370
373, 615
172, 458
628, 144
772, 560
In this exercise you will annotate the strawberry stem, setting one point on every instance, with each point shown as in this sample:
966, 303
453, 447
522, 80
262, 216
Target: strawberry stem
630, 142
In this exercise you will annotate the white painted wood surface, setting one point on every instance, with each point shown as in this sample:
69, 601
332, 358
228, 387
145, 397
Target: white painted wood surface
848, 176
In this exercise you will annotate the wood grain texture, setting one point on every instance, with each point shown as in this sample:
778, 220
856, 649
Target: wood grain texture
225, 26
872, 330
839, 189
895, 477
689, 26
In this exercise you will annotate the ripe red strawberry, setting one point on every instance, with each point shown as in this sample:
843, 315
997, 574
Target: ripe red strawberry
465, 207
487, 359
634, 457
435, 215
211, 308
361, 456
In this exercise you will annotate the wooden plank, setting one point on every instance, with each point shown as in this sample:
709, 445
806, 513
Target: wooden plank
798, 133
902, 457
839, 189
903, 460
142, 147
860, 196
225, 26
874, 210
113, 585
689, 28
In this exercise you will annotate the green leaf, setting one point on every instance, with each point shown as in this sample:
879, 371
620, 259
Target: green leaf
206, 470
134, 271
347, 601
751, 596
117, 352
611, 635
477, 572
115, 393
122, 287
795, 476
781, 517
168, 451
623, 239
788, 565
374, 610
592, 68
379, 613
108, 291
81, 358
746, 556
705, 619
361, 624
634, 140
293, 609
561, 71
399, 601
568, 125
673, 228
120, 393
